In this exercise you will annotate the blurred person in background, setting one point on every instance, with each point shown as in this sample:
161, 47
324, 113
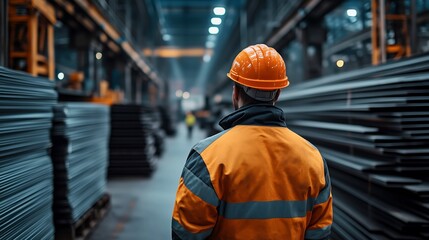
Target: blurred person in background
190, 123
256, 179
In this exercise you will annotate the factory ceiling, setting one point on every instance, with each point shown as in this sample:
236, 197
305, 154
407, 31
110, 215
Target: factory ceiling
191, 30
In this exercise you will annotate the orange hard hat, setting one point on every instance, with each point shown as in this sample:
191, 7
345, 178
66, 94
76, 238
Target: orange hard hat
260, 67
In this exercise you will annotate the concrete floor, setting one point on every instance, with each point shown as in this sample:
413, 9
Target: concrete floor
141, 208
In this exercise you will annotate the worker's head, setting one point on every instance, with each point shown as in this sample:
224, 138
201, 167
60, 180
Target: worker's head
259, 73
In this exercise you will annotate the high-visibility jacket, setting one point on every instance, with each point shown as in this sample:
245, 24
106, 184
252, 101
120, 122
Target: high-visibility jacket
255, 180
190, 120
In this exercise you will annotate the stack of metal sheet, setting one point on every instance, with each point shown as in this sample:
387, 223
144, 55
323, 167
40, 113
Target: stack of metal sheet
168, 120
374, 134
80, 155
132, 143
158, 133
25, 165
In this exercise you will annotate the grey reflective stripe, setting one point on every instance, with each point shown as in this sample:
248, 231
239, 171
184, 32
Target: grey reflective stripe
326, 191
186, 235
319, 233
323, 195
197, 166
203, 144
199, 188
265, 210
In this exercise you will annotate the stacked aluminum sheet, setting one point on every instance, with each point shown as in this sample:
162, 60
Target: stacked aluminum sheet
25, 165
374, 134
80, 155
132, 143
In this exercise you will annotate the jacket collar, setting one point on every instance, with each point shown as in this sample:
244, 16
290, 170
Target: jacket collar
258, 114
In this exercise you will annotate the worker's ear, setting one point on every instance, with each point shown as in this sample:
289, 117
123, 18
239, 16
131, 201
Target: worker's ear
235, 96
277, 95
235, 93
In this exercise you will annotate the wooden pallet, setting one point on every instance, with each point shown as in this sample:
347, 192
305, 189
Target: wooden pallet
81, 229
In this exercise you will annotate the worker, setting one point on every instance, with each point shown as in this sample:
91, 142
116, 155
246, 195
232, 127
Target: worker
190, 122
256, 179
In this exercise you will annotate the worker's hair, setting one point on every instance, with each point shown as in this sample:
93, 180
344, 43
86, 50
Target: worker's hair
248, 100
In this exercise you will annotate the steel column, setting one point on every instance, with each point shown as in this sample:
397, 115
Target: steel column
413, 23
382, 30
128, 94
243, 24
138, 90
4, 36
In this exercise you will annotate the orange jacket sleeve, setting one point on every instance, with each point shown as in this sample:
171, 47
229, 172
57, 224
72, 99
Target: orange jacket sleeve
322, 213
195, 210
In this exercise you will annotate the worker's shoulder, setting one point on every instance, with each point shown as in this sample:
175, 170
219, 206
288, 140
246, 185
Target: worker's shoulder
302, 146
277, 135
203, 144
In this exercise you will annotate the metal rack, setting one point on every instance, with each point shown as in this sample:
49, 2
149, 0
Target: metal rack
398, 22
32, 37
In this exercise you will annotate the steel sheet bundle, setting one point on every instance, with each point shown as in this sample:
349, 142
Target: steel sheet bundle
132, 143
167, 121
374, 134
25, 165
80, 156
158, 133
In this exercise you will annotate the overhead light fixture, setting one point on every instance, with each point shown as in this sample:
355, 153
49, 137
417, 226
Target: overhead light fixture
166, 37
186, 95
98, 55
213, 30
340, 63
210, 44
179, 93
219, 11
216, 21
206, 58
60, 75
351, 12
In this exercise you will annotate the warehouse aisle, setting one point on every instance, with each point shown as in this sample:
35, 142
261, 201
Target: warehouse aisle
141, 208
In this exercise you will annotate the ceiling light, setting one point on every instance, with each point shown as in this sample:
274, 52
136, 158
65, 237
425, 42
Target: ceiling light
60, 76
166, 37
351, 12
206, 58
186, 95
213, 30
98, 55
179, 93
340, 63
216, 21
219, 11
210, 44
